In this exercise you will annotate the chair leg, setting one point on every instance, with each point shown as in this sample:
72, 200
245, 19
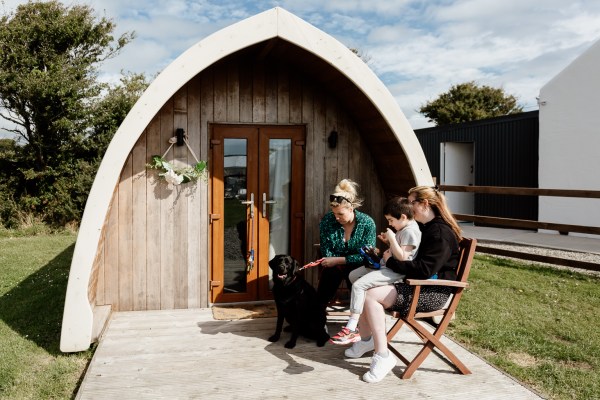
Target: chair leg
394, 329
416, 362
432, 341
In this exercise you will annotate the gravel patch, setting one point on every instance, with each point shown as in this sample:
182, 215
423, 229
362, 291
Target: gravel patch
564, 254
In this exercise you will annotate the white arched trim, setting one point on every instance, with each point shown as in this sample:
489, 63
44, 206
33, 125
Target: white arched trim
77, 323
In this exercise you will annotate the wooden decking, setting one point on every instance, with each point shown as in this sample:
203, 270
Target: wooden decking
186, 354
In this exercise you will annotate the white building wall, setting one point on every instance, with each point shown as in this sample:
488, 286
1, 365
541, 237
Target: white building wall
569, 146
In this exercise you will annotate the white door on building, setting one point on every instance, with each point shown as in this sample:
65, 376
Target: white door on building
456, 164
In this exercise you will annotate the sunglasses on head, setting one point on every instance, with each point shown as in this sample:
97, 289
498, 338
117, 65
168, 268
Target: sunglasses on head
338, 199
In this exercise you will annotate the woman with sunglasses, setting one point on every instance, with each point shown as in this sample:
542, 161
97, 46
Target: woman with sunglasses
437, 258
343, 231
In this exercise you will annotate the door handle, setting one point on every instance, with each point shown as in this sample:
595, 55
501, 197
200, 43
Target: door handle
251, 204
264, 204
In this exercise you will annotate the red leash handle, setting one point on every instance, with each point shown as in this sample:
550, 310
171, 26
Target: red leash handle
312, 264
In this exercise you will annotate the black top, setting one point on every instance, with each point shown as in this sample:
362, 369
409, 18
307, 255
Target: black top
438, 253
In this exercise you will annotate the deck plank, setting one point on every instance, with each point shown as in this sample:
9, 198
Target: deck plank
185, 354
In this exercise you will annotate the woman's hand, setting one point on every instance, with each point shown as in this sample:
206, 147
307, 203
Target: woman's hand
332, 261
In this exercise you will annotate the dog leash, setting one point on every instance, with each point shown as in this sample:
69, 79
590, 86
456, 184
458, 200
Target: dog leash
311, 264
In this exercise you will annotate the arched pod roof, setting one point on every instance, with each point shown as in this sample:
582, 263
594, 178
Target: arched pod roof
268, 27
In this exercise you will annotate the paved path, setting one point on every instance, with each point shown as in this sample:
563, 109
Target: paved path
532, 238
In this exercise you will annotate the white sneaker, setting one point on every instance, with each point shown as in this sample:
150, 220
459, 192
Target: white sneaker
380, 367
359, 348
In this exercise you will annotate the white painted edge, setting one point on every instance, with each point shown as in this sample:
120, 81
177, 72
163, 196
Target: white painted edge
77, 321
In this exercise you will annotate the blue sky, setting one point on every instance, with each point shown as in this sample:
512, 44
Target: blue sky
418, 48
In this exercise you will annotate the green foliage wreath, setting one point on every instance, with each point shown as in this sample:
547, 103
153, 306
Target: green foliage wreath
177, 176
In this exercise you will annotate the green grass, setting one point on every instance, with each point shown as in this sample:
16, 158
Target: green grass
536, 323
33, 280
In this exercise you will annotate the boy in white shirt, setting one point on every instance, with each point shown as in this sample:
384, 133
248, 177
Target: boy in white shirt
403, 246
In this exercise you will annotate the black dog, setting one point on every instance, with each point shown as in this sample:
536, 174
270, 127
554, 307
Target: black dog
296, 302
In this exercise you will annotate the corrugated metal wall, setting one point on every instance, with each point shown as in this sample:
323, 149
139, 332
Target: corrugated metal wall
506, 154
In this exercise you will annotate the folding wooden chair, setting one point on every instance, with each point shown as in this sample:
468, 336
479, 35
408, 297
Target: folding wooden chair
431, 340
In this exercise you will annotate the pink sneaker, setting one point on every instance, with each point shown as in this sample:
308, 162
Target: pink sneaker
345, 336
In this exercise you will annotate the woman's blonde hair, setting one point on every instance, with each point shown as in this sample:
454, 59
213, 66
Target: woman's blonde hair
437, 201
348, 189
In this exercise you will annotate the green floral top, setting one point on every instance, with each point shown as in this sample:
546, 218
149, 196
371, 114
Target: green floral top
332, 237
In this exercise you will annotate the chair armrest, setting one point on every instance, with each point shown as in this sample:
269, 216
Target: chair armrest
435, 282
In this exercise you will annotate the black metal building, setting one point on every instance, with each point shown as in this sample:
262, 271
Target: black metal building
506, 153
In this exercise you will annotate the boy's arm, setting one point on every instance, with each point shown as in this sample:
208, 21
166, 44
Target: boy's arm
399, 252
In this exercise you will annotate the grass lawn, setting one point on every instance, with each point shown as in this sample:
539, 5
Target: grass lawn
536, 323
33, 280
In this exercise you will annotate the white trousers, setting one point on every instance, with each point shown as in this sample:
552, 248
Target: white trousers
363, 279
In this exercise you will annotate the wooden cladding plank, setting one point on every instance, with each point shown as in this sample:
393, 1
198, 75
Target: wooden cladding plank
111, 256
153, 226
259, 93
295, 102
332, 173
180, 213
126, 237
283, 96
167, 218
322, 188
233, 93
193, 198
97, 282
355, 161
345, 138
206, 115
139, 239
246, 108
220, 95
271, 91
313, 185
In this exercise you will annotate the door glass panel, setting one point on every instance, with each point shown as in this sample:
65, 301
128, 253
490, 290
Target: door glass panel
280, 172
236, 226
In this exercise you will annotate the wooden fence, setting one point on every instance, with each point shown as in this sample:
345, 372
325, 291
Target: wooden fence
528, 224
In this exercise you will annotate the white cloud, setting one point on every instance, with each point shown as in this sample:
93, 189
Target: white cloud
419, 49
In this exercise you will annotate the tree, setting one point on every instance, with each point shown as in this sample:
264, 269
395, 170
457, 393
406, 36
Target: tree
49, 55
48, 68
111, 110
469, 102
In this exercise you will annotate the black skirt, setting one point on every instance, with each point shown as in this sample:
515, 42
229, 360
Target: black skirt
431, 298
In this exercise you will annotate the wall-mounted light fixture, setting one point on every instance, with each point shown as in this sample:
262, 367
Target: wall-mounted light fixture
332, 139
179, 132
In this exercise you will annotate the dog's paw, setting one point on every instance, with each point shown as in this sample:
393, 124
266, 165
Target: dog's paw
290, 344
274, 338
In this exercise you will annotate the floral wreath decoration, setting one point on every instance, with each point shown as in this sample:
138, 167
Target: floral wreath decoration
177, 176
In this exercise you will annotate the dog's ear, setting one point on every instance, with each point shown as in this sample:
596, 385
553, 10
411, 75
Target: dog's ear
273, 262
295, 264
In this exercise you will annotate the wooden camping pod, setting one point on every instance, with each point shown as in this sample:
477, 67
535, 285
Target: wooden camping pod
145, 246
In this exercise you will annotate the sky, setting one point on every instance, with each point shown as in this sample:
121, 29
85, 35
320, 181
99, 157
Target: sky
418, 48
